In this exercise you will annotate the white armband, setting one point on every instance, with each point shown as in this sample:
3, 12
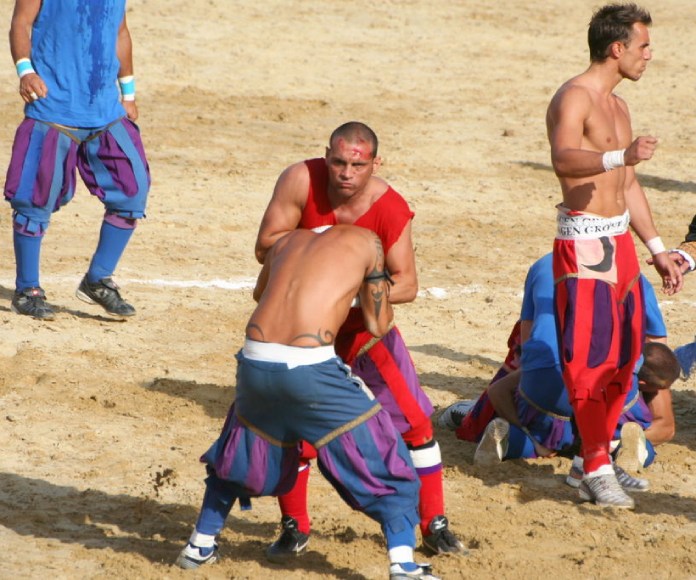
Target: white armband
613, 159
655, 246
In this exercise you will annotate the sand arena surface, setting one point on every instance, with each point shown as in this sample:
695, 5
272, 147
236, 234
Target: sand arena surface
102, 422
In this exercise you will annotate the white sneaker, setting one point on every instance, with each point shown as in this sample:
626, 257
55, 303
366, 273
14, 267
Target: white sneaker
451, 417
192, 557
605, 491
409, 570
494, 443
633, 452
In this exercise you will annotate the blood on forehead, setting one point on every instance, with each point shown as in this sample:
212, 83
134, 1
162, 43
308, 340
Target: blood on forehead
357, 148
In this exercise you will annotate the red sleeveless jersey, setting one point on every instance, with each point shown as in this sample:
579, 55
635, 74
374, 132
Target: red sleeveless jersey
387, 217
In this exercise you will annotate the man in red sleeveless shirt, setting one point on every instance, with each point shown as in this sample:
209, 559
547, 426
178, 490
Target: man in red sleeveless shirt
342, 189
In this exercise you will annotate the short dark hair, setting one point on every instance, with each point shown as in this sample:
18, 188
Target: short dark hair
613, 23
356, 131
660, 366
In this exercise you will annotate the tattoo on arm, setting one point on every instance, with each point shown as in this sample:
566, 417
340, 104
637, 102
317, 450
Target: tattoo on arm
324, 338
375, 278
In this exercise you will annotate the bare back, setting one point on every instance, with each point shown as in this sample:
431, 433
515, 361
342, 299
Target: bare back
582, 117
308, 282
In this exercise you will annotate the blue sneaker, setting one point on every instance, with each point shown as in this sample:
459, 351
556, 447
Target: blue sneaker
686, 355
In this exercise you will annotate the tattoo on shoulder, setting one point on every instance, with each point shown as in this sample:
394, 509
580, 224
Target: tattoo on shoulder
323, 338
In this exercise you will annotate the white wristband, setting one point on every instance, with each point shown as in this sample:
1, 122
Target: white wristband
613, 159
655, 246
689, 260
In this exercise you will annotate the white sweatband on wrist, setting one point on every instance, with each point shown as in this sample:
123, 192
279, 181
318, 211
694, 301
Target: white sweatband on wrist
24, 67
655, 246
687, 258
127, 85
613, 159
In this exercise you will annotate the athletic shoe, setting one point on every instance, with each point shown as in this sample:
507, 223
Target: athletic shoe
494, 443
192, 557
574, 477
292, 542
633, 451
31, 302
451, 418
105, 293
408, 570
630, 483
441, 540
605, 491
686, 355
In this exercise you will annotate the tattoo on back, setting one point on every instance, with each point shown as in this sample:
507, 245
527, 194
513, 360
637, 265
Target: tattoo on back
255, 327
324, 338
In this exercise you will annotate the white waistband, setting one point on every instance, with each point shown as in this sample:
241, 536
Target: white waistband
293, 356
585, 226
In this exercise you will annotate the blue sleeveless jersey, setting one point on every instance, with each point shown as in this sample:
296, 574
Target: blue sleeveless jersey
73, 49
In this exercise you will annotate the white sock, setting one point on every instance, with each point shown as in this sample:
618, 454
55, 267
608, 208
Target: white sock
401, 554
603, 470
201, 540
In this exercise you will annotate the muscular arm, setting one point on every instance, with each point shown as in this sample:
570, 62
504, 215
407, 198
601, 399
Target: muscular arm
502, 396
284, 210
642, 223
374, 295
663, 426
565, 122
124, 53
23, 17
401, 265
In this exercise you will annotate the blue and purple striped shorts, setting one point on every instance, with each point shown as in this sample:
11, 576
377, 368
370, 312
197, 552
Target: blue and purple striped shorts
42, 173
359, 450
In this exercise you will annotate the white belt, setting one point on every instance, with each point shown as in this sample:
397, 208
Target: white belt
293, 356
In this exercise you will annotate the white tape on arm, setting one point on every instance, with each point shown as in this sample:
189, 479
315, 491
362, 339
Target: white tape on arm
655, 246
613, 159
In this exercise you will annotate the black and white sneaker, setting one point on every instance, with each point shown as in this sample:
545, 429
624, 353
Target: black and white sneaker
105, 293
291, 543
441, 540
32, 302
451, 418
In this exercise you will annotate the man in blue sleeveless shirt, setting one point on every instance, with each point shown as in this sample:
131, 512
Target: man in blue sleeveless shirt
75, 67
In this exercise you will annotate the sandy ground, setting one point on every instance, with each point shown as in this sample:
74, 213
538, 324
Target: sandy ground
102, 422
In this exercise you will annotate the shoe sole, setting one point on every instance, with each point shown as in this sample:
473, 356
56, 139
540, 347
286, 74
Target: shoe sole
588, 498
489, 450
190, 564
632, 442
47, 318
573, 482
86, 298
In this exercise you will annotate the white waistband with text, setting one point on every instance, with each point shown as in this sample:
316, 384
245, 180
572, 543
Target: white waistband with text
588, 227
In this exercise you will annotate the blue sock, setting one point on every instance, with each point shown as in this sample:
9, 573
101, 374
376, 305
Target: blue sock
217, 503
27, 252
399, 534
112, 243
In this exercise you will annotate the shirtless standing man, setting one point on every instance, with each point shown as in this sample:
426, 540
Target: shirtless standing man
342, 189
598, 300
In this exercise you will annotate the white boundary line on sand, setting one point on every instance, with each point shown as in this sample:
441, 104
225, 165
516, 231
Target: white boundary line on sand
242, 283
